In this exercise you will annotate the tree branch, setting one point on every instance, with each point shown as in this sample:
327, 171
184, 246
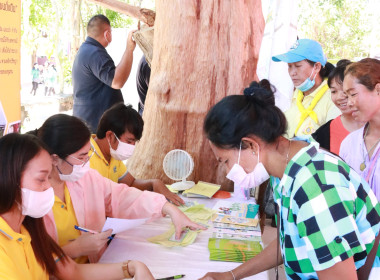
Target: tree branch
145, 15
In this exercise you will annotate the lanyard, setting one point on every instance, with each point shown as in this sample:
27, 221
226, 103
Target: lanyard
309, 110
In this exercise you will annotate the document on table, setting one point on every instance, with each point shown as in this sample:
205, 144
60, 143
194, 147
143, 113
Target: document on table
120, 225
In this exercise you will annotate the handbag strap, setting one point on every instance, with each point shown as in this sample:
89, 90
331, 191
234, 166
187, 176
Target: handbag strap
278, 239
365, 270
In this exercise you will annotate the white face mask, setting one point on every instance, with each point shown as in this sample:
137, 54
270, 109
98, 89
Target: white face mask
123, 151
243, 181
36, 204
78, 172
308, 83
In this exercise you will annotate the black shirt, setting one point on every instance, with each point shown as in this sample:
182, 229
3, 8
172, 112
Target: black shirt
92, 74
142, 82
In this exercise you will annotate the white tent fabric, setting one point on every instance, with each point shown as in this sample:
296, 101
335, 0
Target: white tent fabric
280, 33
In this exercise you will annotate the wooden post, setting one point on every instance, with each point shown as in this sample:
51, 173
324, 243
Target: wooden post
203, 51
145, 15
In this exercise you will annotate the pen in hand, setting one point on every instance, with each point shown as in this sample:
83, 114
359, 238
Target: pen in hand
91, 231
172, 277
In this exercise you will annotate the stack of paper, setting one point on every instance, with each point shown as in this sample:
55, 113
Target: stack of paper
120, 225
236, 235
237, 209
233, 250
202, 190
227, 219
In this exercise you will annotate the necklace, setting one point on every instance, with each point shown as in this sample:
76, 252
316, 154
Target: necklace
287, 155
362, 165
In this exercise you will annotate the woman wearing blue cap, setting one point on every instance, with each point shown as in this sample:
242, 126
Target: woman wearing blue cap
311, 104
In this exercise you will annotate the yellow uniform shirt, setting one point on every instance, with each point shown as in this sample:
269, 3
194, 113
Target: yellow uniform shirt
17, 259
325, 110
114, 170
65, 220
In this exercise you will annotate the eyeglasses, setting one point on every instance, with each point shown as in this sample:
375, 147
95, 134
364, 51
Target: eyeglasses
83, 162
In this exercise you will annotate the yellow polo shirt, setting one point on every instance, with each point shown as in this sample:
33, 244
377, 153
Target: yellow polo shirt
114, 170
65, 220
325, 110
17, 259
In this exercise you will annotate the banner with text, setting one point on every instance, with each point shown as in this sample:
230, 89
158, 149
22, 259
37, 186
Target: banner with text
10, 45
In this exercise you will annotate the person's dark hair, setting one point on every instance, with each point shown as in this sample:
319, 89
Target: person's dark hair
366, 71
238, 116
264, 86
337, 73
16, 150
119, 119
64, 135
325, 70
95, 25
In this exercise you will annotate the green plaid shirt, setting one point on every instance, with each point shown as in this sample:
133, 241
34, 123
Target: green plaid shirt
327, 213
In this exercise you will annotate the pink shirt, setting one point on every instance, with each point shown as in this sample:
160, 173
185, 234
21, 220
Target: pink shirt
94, 198
354, 152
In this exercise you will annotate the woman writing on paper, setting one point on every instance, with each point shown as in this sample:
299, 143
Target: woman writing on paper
311, 104
361, 148
26, 250
85, 198
328, 215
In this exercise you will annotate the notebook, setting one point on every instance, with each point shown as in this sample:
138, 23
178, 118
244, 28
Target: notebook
202, 190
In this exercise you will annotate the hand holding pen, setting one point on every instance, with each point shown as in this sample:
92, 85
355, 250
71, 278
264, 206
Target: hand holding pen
92, 231
88, 243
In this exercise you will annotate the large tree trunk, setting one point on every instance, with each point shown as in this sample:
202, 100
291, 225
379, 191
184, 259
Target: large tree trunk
203, 51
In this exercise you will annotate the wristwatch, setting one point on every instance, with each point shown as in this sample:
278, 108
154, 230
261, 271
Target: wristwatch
125, 269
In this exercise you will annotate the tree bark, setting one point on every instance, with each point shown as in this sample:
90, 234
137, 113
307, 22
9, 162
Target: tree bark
75, 27
203, 51
145, 15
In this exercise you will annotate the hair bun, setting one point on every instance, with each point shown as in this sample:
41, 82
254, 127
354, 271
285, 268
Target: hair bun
343, 63
262, 92
33, 132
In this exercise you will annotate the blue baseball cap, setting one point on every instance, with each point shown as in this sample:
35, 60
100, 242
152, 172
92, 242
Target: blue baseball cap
303, 49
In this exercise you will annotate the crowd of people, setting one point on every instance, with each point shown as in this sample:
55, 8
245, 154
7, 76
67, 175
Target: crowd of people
45, 75
321, 156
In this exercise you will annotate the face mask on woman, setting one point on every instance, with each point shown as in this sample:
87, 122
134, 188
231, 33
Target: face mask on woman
36, 204
123, 151
253, 179
307, 84
77, 173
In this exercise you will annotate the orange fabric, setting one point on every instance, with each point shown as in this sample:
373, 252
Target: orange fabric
222, 194
337, 134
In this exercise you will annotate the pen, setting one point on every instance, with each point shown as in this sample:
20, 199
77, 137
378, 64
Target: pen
172, 277
85, 229
90, 231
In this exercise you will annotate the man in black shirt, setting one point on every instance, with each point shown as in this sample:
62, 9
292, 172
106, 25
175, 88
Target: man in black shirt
142, 82
96, 79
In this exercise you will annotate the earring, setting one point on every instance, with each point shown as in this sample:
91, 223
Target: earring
253, 153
